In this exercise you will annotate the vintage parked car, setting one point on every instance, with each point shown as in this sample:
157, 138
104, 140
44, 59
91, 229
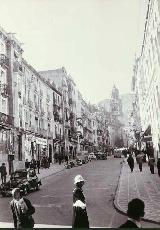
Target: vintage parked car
26, 180
92, 156
78, 162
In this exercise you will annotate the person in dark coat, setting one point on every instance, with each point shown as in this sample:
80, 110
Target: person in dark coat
151, 164
3, 172
22, 210
140, 161
80, 217
130, 161
158, 166
27, 164
38, 165
66, 159
135, 212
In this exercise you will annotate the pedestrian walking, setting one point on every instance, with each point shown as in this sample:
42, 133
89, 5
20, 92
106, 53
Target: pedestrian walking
130, 161
3, 172
27, 164
151, 164
80, 217
158, 166
60, 159
135, 212
66, 159
22, 210
38, 165
140, 161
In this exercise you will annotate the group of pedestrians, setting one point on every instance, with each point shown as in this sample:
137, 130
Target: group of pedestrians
37, 164
140, 159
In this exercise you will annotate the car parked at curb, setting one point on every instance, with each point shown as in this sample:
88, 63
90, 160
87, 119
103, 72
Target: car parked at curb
92, 156
25, 180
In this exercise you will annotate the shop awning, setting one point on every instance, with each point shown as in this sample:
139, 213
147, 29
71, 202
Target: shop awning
146, 135
147, 138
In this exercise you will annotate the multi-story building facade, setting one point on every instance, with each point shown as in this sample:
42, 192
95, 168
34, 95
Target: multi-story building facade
127, 119
6, 108
147, 78
31, 119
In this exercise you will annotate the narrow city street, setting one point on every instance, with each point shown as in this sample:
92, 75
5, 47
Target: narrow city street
53, 202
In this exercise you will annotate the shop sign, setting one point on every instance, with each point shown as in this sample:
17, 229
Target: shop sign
41, 141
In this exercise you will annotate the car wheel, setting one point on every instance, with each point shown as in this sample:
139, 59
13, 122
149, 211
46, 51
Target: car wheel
25, 191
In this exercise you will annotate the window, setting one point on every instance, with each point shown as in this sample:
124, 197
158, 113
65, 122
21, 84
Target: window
49, 127
1, 74
3, 105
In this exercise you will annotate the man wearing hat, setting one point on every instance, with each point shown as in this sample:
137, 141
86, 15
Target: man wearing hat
80, 217
3, 172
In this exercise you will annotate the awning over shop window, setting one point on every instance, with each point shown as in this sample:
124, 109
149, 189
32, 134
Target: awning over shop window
146, 136
147, 131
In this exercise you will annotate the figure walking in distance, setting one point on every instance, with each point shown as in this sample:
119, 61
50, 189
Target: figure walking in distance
130, 161
151, 164
80, 217
3, 172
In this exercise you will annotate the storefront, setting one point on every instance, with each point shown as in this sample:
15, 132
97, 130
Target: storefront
41, 148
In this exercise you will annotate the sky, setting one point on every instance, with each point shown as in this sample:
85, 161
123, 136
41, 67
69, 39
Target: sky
95, 40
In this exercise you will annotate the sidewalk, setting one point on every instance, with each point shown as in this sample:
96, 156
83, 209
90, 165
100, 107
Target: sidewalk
143, 185
54, 168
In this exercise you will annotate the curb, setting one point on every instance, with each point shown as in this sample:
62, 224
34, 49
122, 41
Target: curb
52, 174
122, 211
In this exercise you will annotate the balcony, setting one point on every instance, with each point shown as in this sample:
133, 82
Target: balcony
6, 119
4, 90
4, 61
